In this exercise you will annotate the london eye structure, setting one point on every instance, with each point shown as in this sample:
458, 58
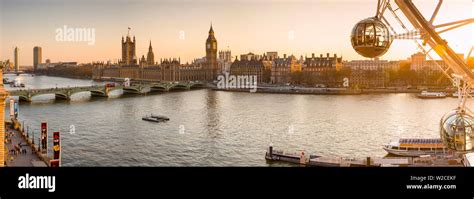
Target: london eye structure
373, 36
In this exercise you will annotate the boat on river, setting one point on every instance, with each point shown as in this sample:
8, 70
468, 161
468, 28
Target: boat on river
431, 95
156, 118
415, 147
160, 117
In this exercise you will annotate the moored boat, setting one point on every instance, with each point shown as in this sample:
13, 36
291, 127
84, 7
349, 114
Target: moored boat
431, 95
416, 147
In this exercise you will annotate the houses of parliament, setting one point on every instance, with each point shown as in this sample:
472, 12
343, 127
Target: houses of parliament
167, 70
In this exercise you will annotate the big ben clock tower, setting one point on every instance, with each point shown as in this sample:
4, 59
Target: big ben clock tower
211, 56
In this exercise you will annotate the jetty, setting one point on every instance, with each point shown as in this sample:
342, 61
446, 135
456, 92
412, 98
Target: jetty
304, 159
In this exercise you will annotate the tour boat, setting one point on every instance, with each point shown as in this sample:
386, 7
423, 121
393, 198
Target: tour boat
431, 95
415, 147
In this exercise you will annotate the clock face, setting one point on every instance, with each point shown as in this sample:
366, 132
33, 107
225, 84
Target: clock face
214, 45
208, 46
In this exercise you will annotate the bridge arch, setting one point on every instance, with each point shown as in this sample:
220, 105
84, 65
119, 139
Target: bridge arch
158, 88
23, 98
63, 96
132, 89
197, 85
98, 93
179, 87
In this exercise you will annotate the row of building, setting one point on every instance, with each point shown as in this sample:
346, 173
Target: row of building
268, 67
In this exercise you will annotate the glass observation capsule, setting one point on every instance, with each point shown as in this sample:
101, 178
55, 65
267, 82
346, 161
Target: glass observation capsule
456, 130
370, 38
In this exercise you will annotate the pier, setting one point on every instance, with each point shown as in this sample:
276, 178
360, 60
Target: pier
303, 159
20, 149
330, 91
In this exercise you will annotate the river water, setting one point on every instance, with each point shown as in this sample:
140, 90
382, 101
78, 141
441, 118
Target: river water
215, 128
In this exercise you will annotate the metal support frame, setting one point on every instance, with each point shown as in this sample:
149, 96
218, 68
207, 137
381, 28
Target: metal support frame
461, 76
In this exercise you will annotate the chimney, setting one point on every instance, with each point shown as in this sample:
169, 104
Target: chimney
284, 56
327, 55
312, 55
320, 55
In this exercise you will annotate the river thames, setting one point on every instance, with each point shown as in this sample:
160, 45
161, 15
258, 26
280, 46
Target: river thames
216, 128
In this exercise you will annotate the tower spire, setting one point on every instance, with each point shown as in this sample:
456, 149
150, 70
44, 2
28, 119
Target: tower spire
211, 31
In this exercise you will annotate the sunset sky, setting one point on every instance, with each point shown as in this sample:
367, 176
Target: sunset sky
298, 27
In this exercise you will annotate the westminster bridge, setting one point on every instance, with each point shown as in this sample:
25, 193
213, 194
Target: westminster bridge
104, 90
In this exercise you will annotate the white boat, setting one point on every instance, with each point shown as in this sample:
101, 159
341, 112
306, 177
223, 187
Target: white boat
415, 147
431, 95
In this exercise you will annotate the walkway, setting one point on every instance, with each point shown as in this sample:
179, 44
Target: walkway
30, 159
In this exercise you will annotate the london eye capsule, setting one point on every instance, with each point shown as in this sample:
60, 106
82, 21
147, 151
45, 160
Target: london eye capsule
456, 130
370, 38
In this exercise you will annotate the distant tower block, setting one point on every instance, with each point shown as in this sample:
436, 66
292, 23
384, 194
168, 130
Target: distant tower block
37, 57
15, 55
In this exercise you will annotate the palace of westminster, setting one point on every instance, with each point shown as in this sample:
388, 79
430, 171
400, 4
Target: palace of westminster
167, 70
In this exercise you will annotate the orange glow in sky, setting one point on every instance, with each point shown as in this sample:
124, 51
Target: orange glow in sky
179, 28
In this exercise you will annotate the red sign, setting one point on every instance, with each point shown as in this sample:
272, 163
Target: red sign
44, 136
56, 145
54, 163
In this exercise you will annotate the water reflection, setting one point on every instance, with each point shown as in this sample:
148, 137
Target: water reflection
209, 128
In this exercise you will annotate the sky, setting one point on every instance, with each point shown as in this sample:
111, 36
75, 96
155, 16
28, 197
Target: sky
179, 28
